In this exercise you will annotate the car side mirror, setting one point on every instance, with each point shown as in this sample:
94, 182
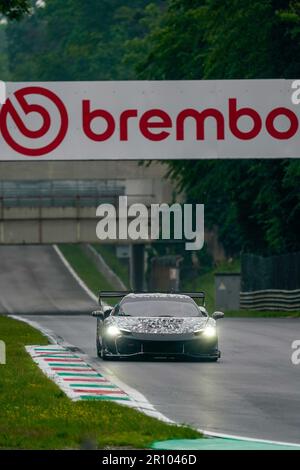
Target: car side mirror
107, 311
217, 315
98, 314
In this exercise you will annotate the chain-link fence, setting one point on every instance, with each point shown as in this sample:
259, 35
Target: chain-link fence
274, 272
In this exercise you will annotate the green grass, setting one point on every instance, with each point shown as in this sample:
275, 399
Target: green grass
36, 414
206, 282
85, 268
108, 253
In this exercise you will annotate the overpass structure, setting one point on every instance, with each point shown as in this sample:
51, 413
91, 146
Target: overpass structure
42, 203
55, 202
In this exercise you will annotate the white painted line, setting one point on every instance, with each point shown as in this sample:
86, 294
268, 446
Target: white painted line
74, 274
244, 438
108, 268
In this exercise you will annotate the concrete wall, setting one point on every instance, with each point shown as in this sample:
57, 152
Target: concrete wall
227, 291
79, 170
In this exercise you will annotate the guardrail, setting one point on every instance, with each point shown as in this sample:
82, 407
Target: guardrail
58, 200
59, 193
271, 299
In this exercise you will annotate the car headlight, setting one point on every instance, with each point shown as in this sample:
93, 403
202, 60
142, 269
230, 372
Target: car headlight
210, 331
113, 331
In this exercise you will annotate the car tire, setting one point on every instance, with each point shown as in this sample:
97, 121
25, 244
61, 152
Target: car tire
98, 347
100, 351
102, 354
104, 357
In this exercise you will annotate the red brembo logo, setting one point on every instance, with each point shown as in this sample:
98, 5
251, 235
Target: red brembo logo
8, 109
156, 124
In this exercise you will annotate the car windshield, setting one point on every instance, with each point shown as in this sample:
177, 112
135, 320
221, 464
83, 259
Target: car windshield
159, 307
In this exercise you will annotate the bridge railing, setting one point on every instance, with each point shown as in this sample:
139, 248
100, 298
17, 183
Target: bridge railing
66, 193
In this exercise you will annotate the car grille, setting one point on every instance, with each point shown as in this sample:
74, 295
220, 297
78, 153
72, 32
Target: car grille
133, 346
172, 347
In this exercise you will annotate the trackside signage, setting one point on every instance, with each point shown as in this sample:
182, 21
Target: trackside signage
149, 120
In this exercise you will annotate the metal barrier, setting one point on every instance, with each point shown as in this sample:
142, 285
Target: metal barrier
270, 283
271, 299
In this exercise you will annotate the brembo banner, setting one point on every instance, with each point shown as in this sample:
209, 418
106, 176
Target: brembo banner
150, 120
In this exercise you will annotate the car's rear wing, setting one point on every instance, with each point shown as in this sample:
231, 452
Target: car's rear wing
119, 294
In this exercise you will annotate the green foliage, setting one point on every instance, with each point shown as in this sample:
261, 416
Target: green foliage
4, 66
119, 266
74, 40
174, 44
85, 268
291, 16
240, 39
14, 9
254, 203
220, 39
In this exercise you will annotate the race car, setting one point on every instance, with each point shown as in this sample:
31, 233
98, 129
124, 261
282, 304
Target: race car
157, 325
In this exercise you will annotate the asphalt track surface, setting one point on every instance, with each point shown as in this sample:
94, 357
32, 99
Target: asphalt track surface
33, 279
253, 391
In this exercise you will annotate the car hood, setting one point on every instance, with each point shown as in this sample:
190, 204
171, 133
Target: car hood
163, 325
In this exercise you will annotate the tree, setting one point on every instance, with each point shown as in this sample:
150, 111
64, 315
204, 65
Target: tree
220, 39
250, 39
254, 203
74, 40
173, 47
14, 9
